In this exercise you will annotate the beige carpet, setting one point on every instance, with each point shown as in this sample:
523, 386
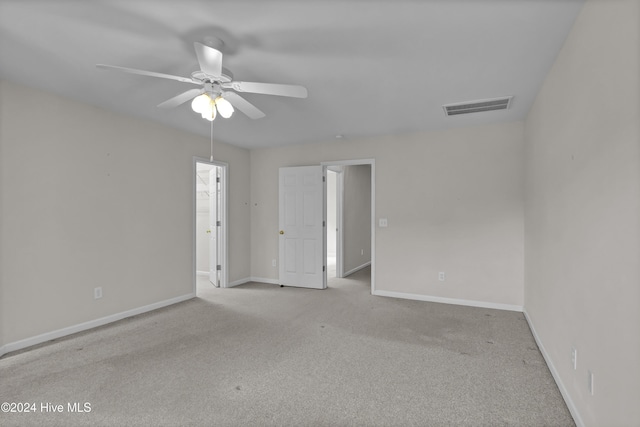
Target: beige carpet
264, 355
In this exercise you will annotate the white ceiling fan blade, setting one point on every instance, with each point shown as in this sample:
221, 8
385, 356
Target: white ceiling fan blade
293, 91
181, 98
147, 73
243, 105
210, 59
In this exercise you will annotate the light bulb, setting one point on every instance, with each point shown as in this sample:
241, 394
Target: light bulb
200, 102
209, 111
224, 107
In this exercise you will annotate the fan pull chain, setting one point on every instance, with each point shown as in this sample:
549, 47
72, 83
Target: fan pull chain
211, 158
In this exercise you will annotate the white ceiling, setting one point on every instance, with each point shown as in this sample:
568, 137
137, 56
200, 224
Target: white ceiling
371, 67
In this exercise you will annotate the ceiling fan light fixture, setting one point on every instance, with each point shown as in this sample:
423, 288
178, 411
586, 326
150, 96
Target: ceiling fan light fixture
213, 79
224, 107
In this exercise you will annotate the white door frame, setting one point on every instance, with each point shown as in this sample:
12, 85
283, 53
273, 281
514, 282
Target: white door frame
339, 217
214, 216
224, 229
356, 162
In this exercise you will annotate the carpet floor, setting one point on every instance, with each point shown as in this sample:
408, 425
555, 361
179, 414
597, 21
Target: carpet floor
259, 354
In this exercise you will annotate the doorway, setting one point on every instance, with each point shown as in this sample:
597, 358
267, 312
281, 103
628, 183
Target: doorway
302, 222
210, 228
334, 222
350, 213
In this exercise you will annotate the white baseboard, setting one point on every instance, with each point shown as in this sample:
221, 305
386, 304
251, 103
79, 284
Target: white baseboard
353, 270
265, 280
48, 336
253, 279
563, 390
238, 282
202, 273
455, 301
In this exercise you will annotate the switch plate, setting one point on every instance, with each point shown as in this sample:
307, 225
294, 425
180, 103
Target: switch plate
97, 292
382, 222
273, 263
574, 358
441, 276
590, 382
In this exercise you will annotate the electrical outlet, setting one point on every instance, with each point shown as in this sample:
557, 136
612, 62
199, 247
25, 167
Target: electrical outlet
441, 276
97, 292
574, 358
382, 222
590, 382
273, 263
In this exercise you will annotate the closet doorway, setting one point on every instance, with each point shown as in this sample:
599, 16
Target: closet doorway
210, 224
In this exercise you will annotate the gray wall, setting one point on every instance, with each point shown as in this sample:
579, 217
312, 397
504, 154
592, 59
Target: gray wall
454, 201
582, 214
92, 198
357, 216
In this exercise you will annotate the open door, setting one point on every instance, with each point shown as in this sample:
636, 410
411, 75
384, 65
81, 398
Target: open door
301, 218
213, 231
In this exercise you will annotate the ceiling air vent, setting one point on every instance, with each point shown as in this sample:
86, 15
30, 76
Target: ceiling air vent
477, 106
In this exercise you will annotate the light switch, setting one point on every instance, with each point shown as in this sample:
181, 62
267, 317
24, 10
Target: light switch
382, 222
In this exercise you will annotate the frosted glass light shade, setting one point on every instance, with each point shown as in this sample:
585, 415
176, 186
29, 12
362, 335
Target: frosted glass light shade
224, 107
200, 102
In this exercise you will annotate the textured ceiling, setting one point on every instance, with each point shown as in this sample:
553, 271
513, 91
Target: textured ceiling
371, 67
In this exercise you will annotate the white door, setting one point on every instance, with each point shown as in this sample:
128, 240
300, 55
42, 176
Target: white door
302, 237
213, 227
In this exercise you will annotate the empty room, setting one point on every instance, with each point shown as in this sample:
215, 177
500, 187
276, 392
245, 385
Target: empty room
320, 213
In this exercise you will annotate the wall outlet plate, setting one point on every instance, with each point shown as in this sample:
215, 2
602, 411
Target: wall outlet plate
441, 276
97, 292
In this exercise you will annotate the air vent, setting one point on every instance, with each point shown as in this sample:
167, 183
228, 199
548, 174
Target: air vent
477, 106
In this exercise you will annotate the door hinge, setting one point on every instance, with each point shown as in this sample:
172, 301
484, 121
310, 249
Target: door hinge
323, 179
324, 267
217, 179
218, 267
218, 223
323, 224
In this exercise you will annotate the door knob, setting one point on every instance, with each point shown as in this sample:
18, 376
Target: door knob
281, 231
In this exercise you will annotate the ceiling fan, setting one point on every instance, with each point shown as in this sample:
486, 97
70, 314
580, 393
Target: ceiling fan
217, 91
